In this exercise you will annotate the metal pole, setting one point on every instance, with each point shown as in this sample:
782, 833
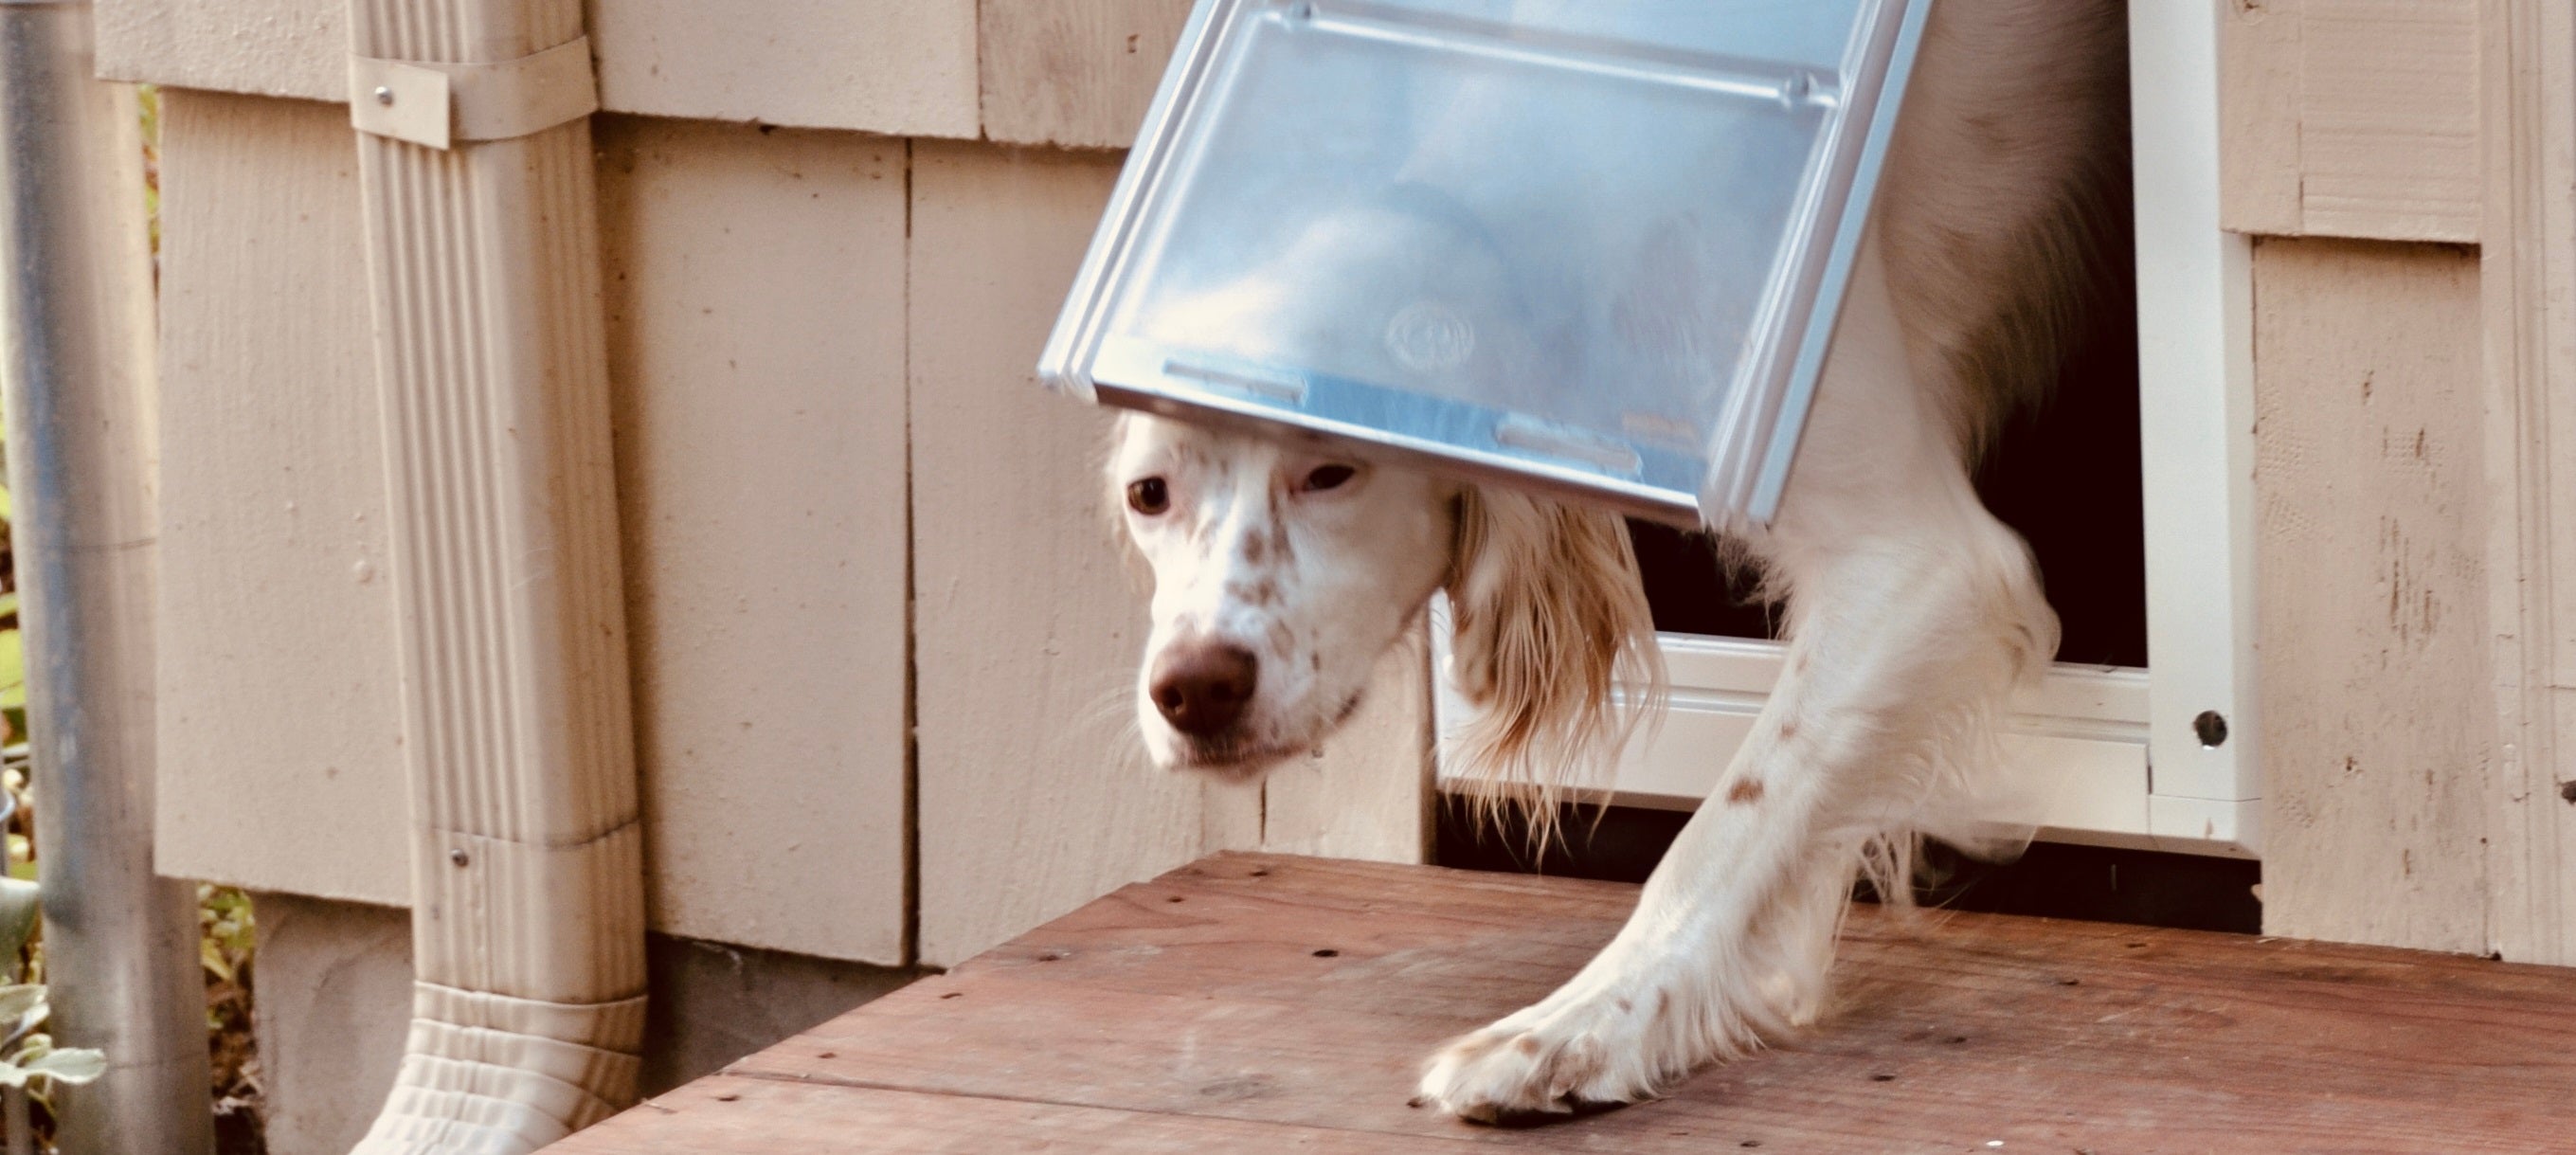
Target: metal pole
76, 368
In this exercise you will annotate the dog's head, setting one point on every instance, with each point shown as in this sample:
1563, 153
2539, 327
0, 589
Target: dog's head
1281, 574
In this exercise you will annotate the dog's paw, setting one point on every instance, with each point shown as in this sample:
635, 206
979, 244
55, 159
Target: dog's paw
1565, 1056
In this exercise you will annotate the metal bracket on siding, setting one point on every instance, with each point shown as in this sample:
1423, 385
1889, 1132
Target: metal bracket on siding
437, 104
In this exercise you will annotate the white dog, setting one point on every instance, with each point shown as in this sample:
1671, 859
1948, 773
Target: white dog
1282, 572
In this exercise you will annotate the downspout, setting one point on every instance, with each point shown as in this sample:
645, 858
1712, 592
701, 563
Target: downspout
527, 856
76, 363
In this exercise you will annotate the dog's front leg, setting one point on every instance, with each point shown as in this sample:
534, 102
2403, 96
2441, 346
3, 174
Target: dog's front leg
1912, 614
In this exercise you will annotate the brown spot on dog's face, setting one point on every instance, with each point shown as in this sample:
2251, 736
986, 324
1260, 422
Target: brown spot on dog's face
1745, 792
1277, 545
1788, 730
1527, 1045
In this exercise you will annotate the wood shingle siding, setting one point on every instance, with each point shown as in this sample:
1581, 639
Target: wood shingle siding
2351, 118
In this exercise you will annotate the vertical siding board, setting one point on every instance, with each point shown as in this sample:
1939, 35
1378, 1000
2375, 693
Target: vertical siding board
2553, 466
281, 729
2389, 121
886, 66
2356, 118
1032, 797
2550, 843
901, 67
2258, 101
2548, 476
1368, 792
2530, 274
1073, 73
761, 453
2373, 637
294, 48
755, 327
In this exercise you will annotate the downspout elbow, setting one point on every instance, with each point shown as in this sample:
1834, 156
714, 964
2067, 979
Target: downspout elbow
527, 852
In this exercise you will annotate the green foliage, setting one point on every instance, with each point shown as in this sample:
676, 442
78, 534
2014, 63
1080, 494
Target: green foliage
13, 658
18, 906
39, 1062
223, 914
148, 97
13, 655
21, 841
34, 1062
226, 938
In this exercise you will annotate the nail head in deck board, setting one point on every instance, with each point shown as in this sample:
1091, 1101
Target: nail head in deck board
1209, 1025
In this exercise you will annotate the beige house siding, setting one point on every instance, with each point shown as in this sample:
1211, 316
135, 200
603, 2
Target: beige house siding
1066, 72
756, 334
1077, 75
756, 330
2453, 822
261, 47
1012, 560
2351, 118
2373, 633
889, 66
902, 67
822, 344
882, 640
2529, 276
841, 492
280, 715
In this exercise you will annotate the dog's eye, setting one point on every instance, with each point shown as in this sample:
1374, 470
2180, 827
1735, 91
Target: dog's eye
1149, 496
1327, 477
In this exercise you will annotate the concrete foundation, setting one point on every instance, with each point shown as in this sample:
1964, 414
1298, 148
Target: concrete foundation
334, 1001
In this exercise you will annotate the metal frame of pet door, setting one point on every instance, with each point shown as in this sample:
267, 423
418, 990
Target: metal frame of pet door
1383, 223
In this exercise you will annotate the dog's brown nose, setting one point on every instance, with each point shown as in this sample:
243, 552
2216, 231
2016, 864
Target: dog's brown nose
1202, 689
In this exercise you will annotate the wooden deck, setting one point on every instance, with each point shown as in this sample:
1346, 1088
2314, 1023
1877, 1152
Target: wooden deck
1258, 1003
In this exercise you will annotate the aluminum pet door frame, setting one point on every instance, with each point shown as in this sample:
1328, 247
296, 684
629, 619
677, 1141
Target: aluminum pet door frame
1486, 236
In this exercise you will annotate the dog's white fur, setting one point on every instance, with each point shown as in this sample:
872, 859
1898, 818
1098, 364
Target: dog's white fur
1911, 611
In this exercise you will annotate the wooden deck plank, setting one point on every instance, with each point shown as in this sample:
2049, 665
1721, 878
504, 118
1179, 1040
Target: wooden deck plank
728, 1113
1200, 999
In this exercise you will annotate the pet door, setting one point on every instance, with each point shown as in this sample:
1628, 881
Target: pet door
1595, 248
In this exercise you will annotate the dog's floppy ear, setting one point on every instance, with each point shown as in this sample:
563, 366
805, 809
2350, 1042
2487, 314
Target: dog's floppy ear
1550, 618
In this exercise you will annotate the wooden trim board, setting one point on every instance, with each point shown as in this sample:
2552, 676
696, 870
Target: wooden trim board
2527, 275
